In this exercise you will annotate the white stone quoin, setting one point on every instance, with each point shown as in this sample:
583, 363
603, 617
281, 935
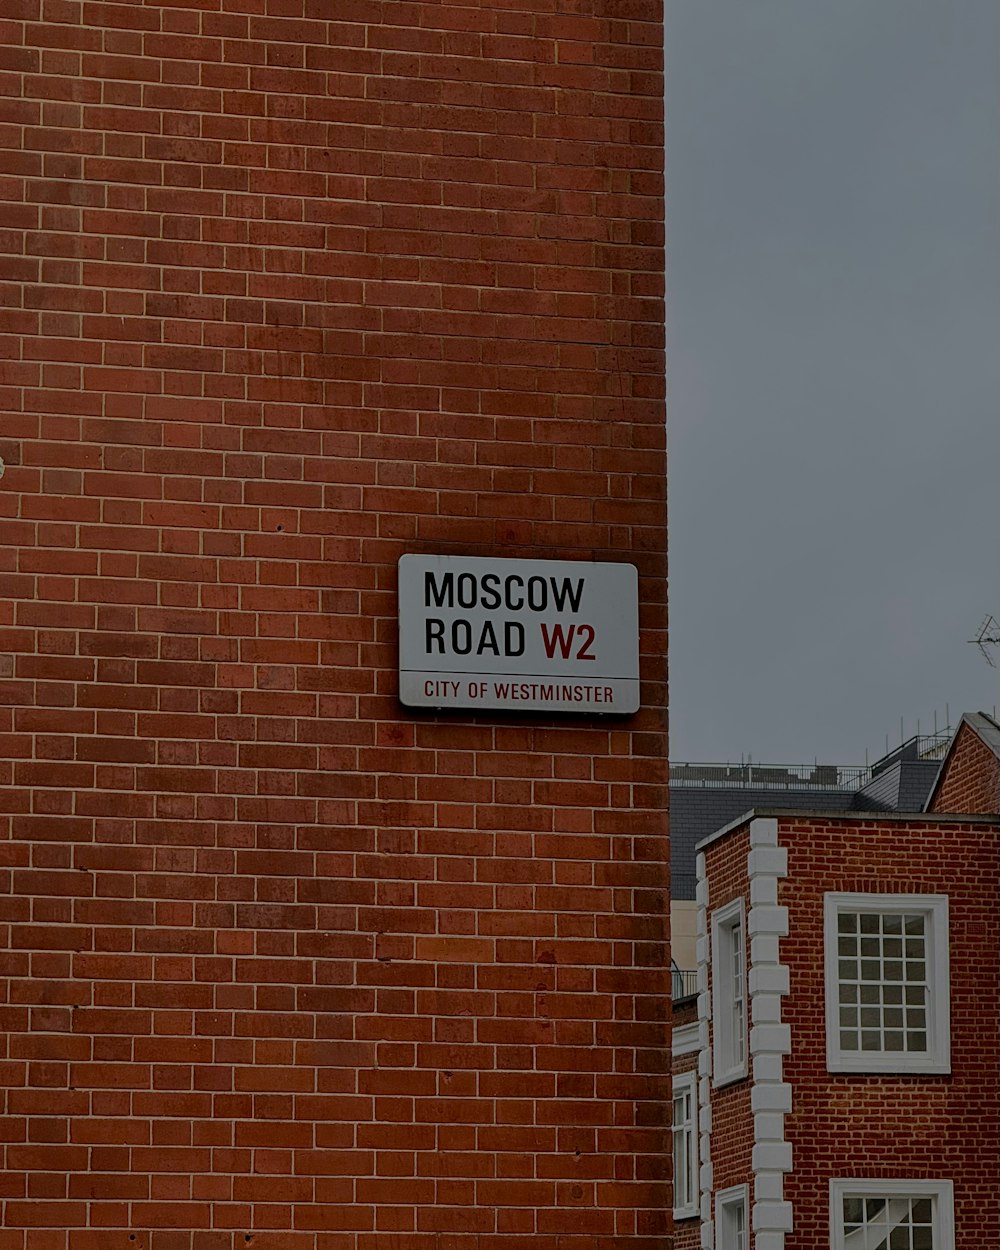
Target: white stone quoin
703, 953
770, 1039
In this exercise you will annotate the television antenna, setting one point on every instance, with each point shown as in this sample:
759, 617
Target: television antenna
988, 636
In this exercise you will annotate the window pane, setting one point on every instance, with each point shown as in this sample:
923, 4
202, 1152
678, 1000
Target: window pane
882, 967
729, 992
887, 1222
683, 1149
731, 1233
737, 958
680, 1173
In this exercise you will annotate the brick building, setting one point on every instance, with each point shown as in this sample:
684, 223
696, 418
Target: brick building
848, 1030
292, 290
969, 780
704, 797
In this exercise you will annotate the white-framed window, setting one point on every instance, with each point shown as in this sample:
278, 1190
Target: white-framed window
887, 998
729, 993
731, 1219
892, 1215
685, 1135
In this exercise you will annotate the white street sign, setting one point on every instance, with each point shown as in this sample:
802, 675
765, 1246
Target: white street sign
522, 635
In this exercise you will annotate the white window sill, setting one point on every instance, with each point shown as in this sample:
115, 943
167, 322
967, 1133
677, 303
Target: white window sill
730, 1077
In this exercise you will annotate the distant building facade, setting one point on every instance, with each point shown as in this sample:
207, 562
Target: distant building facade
704, 797
836, 1078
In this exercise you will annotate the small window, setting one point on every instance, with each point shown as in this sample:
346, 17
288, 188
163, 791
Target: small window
686, 1196
887, 983
891, 1215
729, 998
731, 1219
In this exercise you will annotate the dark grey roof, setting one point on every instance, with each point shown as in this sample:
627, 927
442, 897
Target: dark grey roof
899, 784
705, 798
902, 787
695, 813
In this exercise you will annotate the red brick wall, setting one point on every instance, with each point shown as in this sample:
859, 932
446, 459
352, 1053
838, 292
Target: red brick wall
907, 1126
732, 1120
971, 778
286, 298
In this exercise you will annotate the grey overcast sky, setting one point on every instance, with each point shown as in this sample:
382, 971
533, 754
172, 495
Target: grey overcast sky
833, 391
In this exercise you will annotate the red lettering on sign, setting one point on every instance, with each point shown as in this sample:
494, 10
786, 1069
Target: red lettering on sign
585, 653
559, 638
563, 639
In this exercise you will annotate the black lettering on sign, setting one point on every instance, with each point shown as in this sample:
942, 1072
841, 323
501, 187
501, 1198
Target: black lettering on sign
515, 604
442, 596
461, 636
538, 594
490, 590
488, 640
565, 591
434, 633
469, 591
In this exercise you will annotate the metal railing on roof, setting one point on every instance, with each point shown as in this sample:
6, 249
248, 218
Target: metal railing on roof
748, 775
933, 746
769, 776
